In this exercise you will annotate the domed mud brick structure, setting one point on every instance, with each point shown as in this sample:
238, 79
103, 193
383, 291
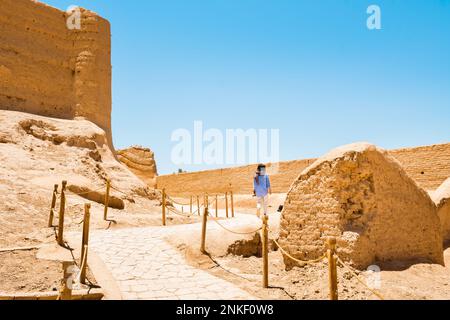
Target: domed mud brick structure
442, 199
360, 195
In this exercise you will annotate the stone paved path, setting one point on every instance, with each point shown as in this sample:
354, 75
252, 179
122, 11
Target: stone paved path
146, 267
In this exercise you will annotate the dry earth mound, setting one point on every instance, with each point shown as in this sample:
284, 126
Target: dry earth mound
141, 161
37, 152
362, 196
442, 199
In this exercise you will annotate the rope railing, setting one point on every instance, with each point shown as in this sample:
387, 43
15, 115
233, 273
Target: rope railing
177, 212
237, 232
178, 202
209, 201
349, 269
298, 260
65, 290
333, 275
331, 254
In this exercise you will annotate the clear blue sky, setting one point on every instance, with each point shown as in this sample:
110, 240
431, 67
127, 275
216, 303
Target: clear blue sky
310, 68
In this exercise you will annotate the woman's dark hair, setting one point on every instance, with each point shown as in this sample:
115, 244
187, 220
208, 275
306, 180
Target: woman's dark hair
261, 166
258, 171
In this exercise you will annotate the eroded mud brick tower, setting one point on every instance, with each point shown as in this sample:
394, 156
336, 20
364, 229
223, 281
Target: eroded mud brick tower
52, 69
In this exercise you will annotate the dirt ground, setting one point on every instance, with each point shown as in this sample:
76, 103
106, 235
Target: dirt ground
417, 282
22, 272
398, 281
38, 152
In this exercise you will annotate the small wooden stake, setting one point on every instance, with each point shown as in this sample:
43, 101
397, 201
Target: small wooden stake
232, 204
62, 209
164, 207
332, 268
205, 221
85, 241
106, 203
84, 265
190, 205
265, 251
198, 205
217, 206
65, 292
52, 209
226, 204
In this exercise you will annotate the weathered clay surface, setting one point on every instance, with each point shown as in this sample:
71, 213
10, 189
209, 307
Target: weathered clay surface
362, 196
37, 152
141, 161
442, 199
48, 69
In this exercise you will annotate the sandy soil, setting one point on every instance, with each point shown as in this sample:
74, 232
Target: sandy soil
21, 272
398, 281
38, 152
419, 281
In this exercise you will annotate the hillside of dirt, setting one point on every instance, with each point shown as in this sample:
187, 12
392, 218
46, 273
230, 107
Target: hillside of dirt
38, 152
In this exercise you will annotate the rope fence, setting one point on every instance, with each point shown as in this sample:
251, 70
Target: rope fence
237, 232
330, 255
62, 196
349, 269
297, 260
208, 202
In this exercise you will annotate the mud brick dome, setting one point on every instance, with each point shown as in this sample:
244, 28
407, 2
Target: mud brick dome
362, 196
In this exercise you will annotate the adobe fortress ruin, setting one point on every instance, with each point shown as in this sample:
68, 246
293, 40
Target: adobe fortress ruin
48, 69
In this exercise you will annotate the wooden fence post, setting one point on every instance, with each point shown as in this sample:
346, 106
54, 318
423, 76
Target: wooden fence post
332, 268
205, 221
190, 205
164, 207
232, 204
65, 292
85, 242
84, 264
198, 205
62, 209
52, 209
217, 206
226, 204
265, 251
108, 188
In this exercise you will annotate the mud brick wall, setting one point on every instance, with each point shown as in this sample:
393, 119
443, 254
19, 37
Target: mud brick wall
429, 166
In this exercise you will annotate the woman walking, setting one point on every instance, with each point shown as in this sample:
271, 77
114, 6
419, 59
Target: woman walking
261, 189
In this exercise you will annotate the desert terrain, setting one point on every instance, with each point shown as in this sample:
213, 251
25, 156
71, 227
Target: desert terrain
388, 209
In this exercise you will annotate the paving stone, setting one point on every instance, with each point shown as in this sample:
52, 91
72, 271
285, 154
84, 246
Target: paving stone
146, 267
